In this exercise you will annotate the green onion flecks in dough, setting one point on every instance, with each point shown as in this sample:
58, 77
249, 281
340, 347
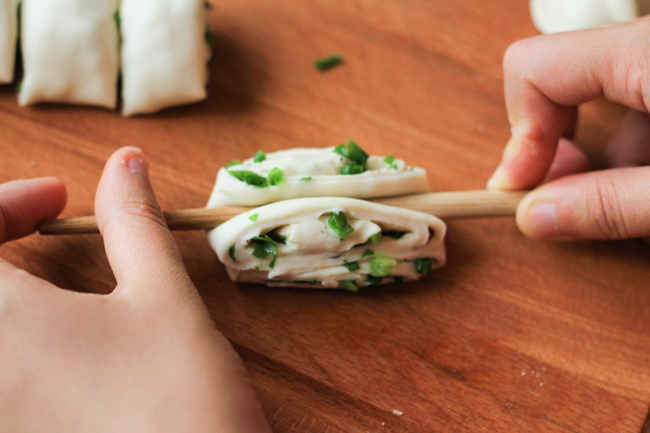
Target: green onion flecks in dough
341, 171
329, 243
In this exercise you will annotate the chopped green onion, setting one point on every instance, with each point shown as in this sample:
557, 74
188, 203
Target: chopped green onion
259, 156
118, 21
276, 176
209, 38
265, 246
305, 281
305, 178
328, 62
357, 154
352, 266
250, 178
340, 149
398, 279
338, 222
20, 85
231, 252
335, 257
253, 217
390, 160
372, 280
349, 285
367, 253
353, 169
232, 163
395, 234
423, 266
375, 239
276, 237
272, 264
381, 266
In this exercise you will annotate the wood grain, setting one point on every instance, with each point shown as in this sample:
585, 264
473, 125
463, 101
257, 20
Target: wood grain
512, 335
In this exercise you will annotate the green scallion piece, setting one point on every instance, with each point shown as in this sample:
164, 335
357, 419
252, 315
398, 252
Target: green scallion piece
372, 280
335, 257
390, 160
352, 266
272, 263
259, 156
253, 217
353, 169
231, 253
381, 266
367, 253
423, 266
340, 149
328, 62
305, 281
375, 239
118, 21
232, 163
305, 178
349, 285
209, 38
20, 85
250, 178
276, 177
356, 153
338, 222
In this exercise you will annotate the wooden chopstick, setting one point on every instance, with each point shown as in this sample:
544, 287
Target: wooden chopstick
460, 204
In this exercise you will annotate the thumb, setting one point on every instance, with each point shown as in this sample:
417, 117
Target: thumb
611, 204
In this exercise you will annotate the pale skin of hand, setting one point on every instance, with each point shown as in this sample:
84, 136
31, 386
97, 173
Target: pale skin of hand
546, 78
145, 358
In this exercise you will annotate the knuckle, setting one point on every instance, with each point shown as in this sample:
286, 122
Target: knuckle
605, 209
136, 211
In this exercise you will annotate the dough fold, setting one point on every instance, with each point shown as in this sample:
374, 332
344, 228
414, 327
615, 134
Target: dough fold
8, 39
310, 172
70, 52
165, 52
329, 242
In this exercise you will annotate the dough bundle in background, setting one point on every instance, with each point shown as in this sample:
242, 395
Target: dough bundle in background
552, 16
71, 52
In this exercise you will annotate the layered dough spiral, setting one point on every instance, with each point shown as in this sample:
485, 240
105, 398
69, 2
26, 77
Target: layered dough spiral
299, 243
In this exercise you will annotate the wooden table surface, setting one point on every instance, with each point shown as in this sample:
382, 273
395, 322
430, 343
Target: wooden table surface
512, 335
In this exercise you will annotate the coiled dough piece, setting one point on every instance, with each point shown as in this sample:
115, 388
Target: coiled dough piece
293, 243
70, 52
164, 54
310, 172
551, 16
8, 38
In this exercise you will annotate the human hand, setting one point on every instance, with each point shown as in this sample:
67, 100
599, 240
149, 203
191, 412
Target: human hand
546, 78
146, 358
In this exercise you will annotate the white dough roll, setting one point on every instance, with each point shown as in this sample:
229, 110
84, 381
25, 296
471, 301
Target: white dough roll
552, 16
8, 39
164, 54
316, 172
70, 52
387, 244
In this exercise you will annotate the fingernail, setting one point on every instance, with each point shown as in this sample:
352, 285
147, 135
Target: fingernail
499, 179
136, 163
542, 220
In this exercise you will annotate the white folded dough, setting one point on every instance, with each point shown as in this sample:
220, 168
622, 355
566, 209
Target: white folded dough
70, 52
164, 54
316, 173
8, 39
551, 16
314, 256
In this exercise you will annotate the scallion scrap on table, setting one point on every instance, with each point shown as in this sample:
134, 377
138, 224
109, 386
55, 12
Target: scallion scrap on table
328, 62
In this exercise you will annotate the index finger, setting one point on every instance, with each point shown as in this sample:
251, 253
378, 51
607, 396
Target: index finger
547, 77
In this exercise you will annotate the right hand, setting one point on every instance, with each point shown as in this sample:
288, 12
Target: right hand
546, 78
